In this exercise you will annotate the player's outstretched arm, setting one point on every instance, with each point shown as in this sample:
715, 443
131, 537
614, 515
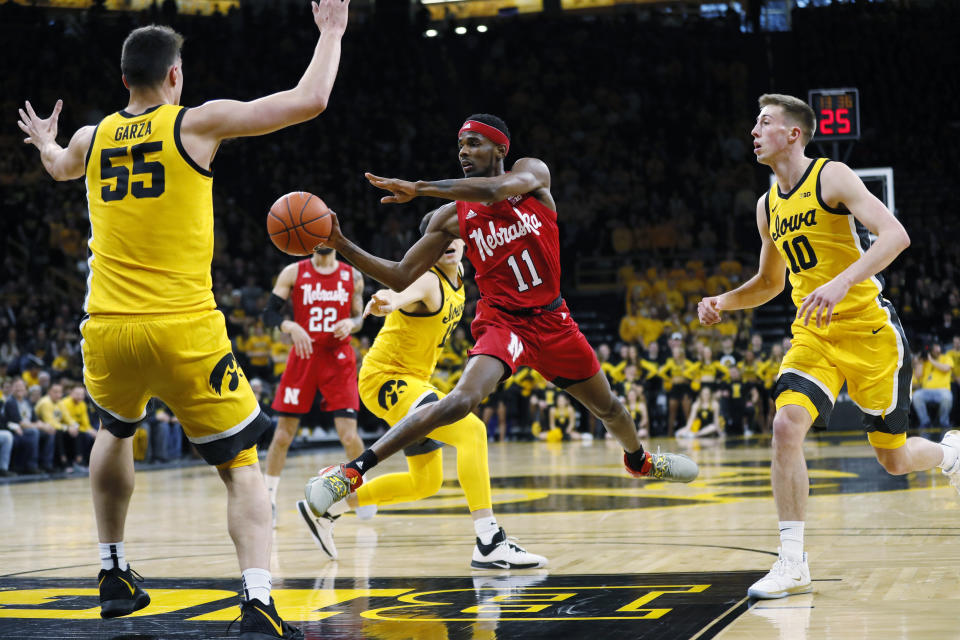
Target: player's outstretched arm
61, 163
386, 301
220, 119
528, 175
443, 228
841, 187
758, 290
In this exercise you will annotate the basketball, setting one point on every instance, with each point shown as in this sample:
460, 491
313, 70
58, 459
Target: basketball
298, 222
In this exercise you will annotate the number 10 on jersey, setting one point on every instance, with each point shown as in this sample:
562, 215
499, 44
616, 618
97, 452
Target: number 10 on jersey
534, 276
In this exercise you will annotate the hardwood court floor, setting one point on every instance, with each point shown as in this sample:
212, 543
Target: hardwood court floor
628, 559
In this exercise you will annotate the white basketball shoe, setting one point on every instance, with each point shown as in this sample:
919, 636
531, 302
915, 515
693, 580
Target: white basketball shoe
504, 553
320, 528
952, 439
786, 578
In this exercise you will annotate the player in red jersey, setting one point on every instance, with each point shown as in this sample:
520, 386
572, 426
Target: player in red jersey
509, 223
327, 300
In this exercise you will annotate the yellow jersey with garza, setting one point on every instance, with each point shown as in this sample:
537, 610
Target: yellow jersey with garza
817, 242
411, 343
151, 218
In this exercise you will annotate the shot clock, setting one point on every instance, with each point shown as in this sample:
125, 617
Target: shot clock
837, 112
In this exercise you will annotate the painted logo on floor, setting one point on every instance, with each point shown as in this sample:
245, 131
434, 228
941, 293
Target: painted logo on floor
532, 606
718, 484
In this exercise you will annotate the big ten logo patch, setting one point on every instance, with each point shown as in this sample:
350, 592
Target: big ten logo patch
225, 369
390, 392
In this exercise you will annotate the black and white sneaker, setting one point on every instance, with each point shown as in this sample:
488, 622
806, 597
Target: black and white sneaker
260, 621
120, 595
504, 553
321, 529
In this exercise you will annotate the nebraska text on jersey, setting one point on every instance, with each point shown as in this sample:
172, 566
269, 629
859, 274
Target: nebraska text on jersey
500, 236
316, 293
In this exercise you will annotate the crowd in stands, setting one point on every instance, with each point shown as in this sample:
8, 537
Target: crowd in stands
650, 160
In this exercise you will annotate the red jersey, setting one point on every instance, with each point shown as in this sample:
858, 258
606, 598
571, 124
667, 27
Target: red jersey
322, 300
514, 246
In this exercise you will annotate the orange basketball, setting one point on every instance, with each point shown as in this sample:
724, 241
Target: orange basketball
298, 222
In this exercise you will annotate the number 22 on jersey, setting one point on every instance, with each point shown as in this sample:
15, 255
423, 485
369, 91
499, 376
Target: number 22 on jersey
322, 320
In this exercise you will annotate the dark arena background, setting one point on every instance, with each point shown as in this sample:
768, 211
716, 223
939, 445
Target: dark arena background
643, 112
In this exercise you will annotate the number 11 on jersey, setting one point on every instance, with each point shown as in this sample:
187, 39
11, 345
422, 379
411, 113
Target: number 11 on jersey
521, 283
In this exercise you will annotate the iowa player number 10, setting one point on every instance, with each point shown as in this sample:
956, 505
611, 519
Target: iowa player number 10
801, 257
141, 167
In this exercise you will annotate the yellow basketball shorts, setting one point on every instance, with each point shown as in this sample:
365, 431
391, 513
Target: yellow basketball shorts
868, 350
391, 395
186, 361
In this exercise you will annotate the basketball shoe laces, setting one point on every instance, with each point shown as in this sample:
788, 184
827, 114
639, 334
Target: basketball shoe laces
787, 568
661, 465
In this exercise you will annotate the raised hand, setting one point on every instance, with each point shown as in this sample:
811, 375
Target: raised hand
331, 15
335, 239
708, 311
402, 190
39, 131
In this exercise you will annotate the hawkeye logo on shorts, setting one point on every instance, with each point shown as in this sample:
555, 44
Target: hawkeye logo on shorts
226, 367
390, 393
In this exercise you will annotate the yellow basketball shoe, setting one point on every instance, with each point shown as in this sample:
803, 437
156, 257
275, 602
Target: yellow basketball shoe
952, 439
786, 578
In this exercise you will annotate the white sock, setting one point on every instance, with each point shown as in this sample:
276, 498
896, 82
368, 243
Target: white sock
339, 507
112, 555
486, 528
272, 483
366, 512
791, 539
949, 457
256, 584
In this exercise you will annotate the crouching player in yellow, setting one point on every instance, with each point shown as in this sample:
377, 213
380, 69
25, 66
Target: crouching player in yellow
394, 382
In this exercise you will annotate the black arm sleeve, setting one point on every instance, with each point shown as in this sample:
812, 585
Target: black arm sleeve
271, 314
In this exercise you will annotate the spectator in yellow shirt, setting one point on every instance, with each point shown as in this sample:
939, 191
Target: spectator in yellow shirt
48, 411
935, 377
257, 349
279, 352
76, 421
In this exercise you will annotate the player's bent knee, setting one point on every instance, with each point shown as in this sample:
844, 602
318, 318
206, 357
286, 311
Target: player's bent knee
428, 483
456, 405
787, 430
894, 461
282, 438
245, 458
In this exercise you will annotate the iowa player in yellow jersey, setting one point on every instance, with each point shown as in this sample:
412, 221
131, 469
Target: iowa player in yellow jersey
395, 382
814, 222
152, 328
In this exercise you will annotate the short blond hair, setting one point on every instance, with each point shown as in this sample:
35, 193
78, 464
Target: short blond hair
796, 109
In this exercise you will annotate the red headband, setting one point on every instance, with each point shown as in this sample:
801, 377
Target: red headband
492, 133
